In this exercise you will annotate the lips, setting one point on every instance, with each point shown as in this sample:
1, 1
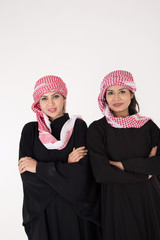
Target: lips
52, 110
117, 104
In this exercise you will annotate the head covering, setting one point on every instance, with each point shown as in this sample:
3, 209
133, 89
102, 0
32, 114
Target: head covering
44, 85
48, 84
120, 78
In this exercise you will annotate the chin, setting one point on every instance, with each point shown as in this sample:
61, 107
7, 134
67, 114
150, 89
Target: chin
117, 110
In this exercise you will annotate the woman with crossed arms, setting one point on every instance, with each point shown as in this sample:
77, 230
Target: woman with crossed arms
60, 196
124, 151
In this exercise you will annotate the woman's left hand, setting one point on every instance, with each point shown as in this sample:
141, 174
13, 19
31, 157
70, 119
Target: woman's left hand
27, 164
117, 164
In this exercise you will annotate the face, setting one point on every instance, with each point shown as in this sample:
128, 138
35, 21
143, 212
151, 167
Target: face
119, 99
52, 104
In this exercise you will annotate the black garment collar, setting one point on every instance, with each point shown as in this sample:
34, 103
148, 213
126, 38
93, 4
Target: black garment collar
57, 125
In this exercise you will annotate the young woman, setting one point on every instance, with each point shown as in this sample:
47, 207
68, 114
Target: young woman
59, 192
124, 151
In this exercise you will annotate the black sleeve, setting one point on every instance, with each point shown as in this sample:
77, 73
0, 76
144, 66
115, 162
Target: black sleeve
37, 193
150, 165
102, 170
26, 150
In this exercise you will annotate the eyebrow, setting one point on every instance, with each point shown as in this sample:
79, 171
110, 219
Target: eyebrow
113, 90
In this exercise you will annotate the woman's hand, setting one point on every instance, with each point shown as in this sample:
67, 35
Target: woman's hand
152, 154
117, 164
27, 164
77, 154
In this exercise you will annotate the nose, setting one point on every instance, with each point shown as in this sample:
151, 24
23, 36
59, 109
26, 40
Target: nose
51, 102
116, 96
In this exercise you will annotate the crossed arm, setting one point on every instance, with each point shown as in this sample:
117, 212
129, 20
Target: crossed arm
29, 164
120, 164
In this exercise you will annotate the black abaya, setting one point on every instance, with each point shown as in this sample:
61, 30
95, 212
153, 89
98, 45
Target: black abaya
130, 202
60, 199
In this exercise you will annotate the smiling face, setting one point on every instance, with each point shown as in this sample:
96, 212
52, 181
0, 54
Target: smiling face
119, 99
52, 104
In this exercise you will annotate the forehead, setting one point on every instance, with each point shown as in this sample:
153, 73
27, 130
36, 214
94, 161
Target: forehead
115, 88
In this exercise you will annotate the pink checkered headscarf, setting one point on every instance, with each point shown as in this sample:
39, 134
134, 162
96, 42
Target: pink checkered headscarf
120, 78
44, 85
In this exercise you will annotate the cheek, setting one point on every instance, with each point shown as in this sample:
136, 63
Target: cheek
43, 106
64, 103
108, 99
61, 104
128, 100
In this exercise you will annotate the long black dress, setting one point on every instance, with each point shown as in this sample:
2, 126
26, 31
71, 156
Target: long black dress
60, 199
130, 203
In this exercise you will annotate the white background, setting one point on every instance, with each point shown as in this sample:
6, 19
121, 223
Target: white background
80, 41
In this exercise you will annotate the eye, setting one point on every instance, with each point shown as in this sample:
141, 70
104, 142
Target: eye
122, 91
109, 93
44, 98
55, 96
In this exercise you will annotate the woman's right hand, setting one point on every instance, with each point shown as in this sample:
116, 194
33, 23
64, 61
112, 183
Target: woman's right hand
153, 151
77, 154
152, 154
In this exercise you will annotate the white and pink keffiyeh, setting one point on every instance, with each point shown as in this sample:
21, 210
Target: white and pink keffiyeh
42, 86
121, 78
132, 121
